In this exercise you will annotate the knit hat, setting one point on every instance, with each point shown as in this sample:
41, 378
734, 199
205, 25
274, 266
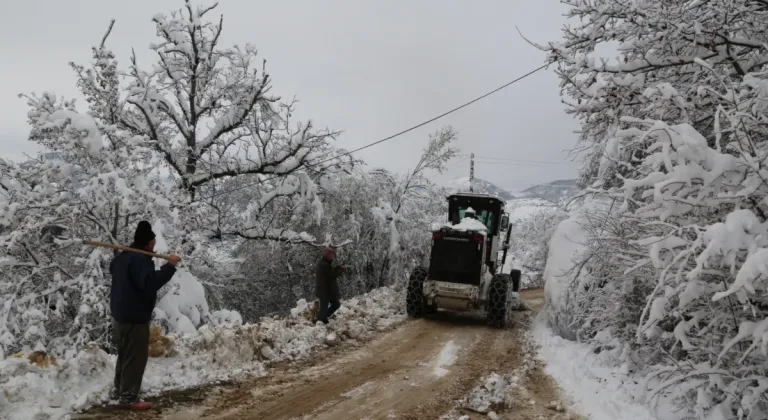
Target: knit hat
329, 252
143, 234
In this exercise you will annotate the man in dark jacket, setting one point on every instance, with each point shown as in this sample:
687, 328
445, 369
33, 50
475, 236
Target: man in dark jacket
134, 291
326, 287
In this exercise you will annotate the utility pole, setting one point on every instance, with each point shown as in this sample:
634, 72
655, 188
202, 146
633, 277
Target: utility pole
471, 172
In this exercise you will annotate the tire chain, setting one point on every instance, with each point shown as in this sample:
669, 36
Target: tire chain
414, 300
497, 302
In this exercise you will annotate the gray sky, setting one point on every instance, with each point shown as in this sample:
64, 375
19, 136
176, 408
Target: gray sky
369, 68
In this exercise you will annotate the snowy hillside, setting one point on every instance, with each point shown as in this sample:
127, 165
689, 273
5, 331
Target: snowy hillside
480, 186
552, 191
521, 208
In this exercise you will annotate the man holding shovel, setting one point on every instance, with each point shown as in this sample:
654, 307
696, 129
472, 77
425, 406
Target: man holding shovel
326, 287
134, 291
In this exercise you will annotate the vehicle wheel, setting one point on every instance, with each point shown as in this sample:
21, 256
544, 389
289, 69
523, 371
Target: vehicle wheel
414, 299
496, 312
516, 276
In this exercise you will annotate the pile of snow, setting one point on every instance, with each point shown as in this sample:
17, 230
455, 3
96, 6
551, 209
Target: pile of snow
495, 391
227, 317
498, 392
212, 354
466, 224
597, 388
183, 308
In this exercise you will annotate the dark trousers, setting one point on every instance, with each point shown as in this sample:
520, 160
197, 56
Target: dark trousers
132, 342
327, 308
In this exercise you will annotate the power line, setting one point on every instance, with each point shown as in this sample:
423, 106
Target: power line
535, 165
466, 104
455, 164
524, 160
538, 165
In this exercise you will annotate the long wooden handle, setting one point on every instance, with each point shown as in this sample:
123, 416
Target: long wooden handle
125, 248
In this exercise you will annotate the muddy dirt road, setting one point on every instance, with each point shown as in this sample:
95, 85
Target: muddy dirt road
421, 370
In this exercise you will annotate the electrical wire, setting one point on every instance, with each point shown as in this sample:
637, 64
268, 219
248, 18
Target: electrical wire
544, 162
407, 130
535, 165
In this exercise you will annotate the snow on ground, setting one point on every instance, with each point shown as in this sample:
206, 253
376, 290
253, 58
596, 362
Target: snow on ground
495, 390
209, 355
499, 391
446, 358
362, 389
596, 388
594, 382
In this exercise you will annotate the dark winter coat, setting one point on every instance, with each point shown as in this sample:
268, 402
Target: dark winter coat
135, 283
326, 286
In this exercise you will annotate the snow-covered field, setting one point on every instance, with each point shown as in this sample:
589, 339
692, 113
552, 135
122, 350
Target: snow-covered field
207, 356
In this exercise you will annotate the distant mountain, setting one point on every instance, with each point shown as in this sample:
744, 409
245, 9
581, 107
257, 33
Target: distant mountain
553, 191
480, 186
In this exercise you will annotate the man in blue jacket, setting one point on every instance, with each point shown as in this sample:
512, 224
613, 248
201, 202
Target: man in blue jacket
134, 291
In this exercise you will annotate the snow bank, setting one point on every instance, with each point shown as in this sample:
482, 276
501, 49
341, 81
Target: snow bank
595, 386
212, 354
566, 251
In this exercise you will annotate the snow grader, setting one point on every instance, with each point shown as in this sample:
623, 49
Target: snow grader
464, 273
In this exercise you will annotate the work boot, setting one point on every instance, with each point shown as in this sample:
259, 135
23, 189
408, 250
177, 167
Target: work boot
138, 406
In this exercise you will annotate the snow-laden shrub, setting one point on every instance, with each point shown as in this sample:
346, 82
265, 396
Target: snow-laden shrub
675, 133
529, 244
586, 285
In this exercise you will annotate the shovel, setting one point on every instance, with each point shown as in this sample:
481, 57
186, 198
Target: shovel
54, 233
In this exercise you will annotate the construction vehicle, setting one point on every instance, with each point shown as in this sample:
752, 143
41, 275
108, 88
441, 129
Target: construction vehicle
464, 272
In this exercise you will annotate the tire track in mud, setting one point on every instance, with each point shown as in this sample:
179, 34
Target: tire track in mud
391, 376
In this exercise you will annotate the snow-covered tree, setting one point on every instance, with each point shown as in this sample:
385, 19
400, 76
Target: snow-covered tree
399, 190
170, 144
359, 215
675, 130
207, 112
83, 187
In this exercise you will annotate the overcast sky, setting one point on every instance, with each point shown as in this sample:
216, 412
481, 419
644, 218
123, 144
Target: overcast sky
369, 68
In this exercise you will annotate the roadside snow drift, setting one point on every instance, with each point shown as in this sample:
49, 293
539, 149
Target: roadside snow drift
207, 355
596, 388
